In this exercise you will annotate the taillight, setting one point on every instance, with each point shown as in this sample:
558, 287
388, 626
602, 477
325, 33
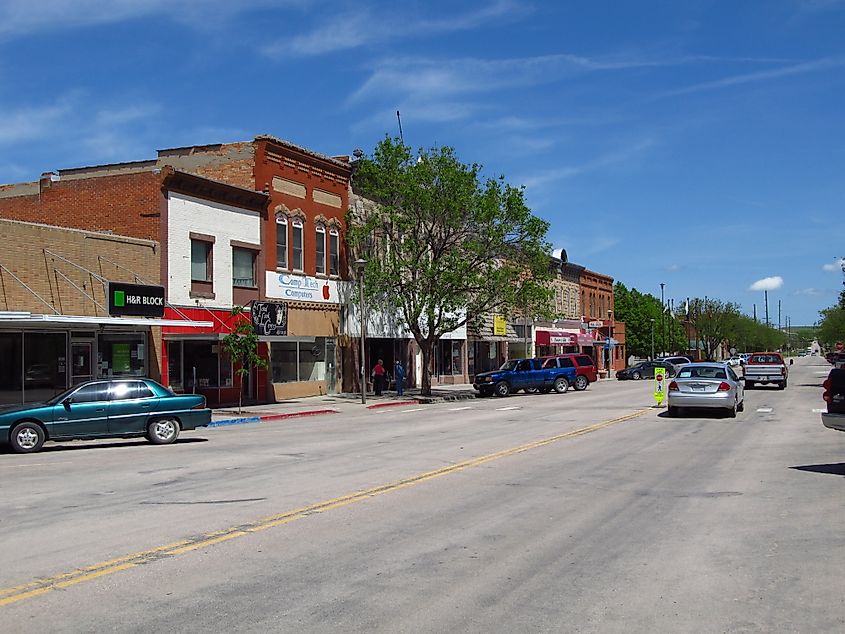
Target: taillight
673, 387
783, 371
826, 396
724, 387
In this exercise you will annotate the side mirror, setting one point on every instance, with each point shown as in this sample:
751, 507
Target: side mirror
67, 402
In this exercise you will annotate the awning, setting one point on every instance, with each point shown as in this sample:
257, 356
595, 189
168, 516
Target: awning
22, 317
556, 338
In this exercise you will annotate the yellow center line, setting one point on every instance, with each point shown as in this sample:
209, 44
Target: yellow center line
38, 587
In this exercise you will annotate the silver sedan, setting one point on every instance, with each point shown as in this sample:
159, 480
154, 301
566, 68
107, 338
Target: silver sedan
707, 385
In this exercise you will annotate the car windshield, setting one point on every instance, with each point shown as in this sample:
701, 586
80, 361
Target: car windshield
509, 365
702, 372
765, 358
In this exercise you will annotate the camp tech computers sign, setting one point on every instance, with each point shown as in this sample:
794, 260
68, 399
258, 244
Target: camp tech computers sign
135, 299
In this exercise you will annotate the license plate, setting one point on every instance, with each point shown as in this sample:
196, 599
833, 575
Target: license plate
697, 389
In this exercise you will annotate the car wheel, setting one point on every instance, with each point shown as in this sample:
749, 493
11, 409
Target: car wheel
581, 382
502, 388
163, 431
674, 412
561, 385
26, 437
782, 385
740, 407
636, 376
732, 411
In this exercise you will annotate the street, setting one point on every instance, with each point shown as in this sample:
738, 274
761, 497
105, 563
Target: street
588, 511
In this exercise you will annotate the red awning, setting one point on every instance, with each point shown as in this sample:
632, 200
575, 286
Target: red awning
556, 338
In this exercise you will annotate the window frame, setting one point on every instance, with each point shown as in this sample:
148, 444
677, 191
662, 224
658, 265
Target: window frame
285, 264
320, 263
254, 257
202, 288
297, 225
334, 252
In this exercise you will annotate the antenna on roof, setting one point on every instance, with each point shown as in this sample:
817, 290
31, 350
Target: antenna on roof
399, 119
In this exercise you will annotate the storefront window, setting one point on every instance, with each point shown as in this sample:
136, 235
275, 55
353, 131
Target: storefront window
298, 360
201, 360
174, 365
11, 370
449, 358
283, 355
122, 355
45, 364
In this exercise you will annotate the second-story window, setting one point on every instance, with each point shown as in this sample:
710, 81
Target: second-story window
200, 261
281, 243
297, 245
243, 267
321, 250
334, 252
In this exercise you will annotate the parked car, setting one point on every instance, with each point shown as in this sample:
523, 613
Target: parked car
706, 385
676, 361
735, 361
117, 408
834, 396
766, 367
585, 367
644, 370
524, 374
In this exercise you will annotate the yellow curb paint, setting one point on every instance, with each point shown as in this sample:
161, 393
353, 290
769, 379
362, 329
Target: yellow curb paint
39, 587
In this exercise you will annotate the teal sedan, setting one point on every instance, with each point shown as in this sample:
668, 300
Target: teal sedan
117, 408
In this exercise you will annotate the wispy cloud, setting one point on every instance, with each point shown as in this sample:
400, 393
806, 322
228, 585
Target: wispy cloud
363, 27
839, 265
618, 156
22, 17
812, 292
34, 122
767, 284
759, 76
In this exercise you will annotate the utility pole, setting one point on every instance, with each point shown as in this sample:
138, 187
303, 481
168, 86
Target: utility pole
778, 314
662, 321
755, 313
766, 300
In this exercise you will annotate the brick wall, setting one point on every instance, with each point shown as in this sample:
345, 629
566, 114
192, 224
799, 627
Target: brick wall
128, 204
30, 252
232, 163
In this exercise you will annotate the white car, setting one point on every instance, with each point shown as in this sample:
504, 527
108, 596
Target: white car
735, 361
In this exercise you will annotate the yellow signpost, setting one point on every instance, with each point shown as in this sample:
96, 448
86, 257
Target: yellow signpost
659, 385
500, 326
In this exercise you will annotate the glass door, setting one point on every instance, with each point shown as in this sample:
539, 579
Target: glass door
81, 362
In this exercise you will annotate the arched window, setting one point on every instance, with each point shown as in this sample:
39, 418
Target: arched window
320, 249
334, 251
296, 225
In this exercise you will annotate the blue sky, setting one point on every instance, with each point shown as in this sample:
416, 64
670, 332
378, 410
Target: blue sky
699, 143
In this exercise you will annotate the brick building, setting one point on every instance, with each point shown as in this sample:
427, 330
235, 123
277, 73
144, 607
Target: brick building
597, 306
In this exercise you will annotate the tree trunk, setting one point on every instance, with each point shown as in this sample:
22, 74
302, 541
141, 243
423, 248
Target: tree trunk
425, 383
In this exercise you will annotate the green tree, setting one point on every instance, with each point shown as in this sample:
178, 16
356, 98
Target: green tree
832, 326
445, 244
712, 320
242, 347
643, 318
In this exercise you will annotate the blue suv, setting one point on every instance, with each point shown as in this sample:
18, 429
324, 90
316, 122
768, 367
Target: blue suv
524, 374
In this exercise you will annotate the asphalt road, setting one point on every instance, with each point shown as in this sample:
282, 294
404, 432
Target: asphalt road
587, 511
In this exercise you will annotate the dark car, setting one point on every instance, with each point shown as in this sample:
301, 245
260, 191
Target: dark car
834, 396
118, 408
644, 370
585, 367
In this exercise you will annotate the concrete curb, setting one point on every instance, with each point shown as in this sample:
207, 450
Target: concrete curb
249, 420
392, 404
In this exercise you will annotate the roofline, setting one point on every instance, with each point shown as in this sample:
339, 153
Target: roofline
293, 146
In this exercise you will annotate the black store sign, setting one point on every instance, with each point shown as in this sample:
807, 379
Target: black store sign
136, 299
269, 318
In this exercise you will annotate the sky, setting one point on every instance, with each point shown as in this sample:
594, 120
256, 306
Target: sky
699, 144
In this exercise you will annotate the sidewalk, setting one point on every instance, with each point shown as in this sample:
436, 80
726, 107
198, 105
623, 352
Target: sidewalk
334, 404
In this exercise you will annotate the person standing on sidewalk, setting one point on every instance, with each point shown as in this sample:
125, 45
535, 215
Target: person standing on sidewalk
399, 376
378, 377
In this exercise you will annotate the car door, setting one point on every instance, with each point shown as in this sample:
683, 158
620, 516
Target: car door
83, 413
130, 404
522, 377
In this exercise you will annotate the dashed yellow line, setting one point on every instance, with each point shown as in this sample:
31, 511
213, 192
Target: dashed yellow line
39, 587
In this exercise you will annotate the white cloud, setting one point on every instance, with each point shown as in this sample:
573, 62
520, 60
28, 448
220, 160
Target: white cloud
775, 73
812, 292
834, 266
767, 284
364, 27
34, 122
674, 268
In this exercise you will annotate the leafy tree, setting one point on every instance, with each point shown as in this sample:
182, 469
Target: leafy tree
712, 320
832, 326
242, 347
641, 314
444, 244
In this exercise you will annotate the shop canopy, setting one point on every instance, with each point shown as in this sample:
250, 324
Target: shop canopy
557, 338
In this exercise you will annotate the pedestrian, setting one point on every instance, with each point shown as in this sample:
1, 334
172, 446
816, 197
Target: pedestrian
378, 377
399, 375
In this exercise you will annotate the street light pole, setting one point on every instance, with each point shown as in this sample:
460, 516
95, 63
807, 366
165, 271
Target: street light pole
662, 320
652, 338
609, 343
360, 264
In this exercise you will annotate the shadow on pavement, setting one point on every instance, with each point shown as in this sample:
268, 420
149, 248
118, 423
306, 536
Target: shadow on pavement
832, 469
87, 444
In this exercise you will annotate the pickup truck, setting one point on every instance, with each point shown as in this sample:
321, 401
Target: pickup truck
834, 396
524, 374
766, 367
